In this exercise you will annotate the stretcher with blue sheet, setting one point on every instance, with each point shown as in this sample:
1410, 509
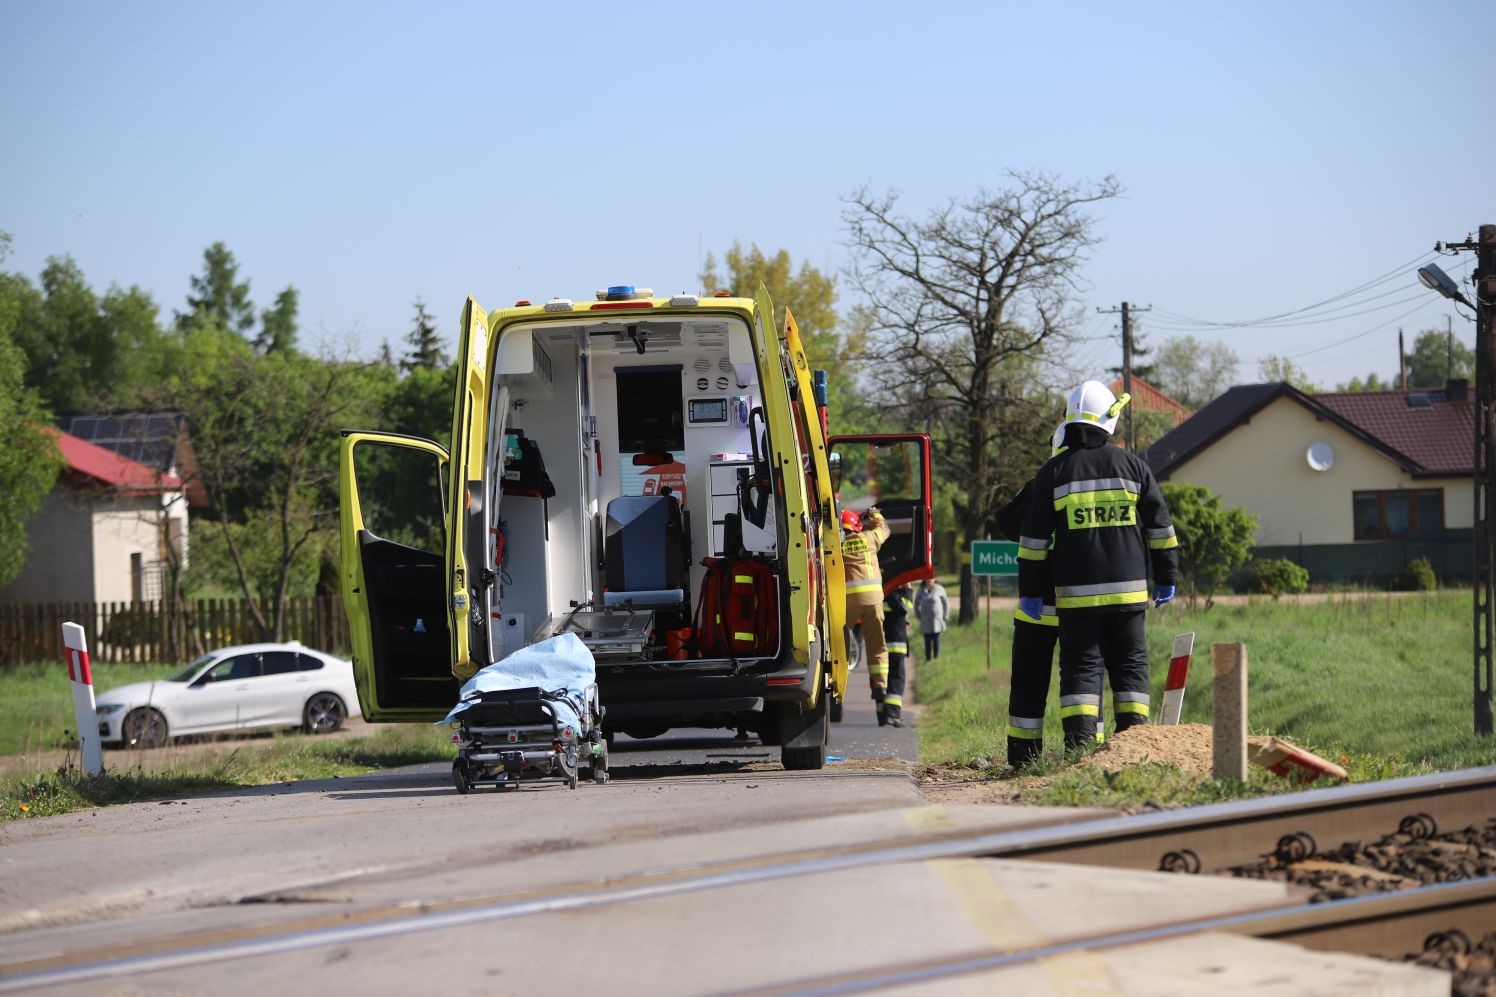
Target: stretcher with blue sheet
533, 716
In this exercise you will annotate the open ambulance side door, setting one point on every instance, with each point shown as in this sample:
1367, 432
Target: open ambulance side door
470, 582
891, 472
393, 545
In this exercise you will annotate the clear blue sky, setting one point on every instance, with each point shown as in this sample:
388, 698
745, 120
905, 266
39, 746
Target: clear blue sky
1274, 154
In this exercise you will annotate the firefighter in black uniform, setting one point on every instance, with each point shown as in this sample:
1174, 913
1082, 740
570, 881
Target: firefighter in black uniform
1034, 638
897, 608
1101, 509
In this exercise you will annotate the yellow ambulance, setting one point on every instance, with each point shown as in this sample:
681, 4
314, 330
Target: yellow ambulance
652, 474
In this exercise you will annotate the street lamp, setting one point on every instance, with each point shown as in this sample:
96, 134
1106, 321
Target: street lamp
1436, 279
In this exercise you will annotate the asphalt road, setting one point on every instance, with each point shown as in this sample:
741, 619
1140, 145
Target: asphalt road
661, 882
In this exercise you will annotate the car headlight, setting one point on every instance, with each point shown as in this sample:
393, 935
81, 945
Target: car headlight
108, 708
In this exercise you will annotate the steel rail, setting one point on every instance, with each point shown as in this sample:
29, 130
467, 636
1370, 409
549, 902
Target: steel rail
1246, 830
1387, 925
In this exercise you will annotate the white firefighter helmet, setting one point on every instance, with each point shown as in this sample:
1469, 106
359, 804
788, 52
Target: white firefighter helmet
1093, 404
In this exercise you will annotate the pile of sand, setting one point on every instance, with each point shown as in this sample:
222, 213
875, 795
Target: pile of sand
1186, 746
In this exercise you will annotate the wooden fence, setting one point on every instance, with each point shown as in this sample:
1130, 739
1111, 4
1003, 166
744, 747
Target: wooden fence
150, 631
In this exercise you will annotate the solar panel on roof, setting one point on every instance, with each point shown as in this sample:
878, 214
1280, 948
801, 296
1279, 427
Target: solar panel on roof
1419, 399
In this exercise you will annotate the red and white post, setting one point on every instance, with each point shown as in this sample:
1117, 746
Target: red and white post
1179, 673
75, 645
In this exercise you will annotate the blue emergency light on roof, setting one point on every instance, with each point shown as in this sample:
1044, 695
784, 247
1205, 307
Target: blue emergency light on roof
624, 292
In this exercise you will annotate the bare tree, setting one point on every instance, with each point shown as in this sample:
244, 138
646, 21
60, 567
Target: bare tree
966, 301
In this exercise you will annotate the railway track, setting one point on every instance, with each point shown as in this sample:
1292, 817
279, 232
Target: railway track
1387, 925
1201, 840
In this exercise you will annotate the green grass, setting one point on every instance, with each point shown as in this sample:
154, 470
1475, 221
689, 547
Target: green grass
1381, 684
36, 715
279, 759
36, 702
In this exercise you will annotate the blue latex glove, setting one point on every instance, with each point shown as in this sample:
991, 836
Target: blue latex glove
1032, 605
1163, 594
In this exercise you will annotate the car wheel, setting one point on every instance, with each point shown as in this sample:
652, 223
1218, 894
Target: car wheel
144, 728
324, 714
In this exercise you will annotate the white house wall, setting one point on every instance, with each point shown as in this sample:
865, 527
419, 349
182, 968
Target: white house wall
1261, 466
122, 527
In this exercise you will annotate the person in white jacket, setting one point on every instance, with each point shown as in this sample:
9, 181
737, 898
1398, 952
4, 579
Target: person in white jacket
933, 608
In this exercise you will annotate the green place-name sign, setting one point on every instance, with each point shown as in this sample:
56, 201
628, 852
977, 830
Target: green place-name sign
994, 557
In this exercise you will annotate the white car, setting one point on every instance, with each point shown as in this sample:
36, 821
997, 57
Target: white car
249, 687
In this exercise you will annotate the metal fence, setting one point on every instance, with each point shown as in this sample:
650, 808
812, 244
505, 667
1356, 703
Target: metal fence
151, 631
1379, 562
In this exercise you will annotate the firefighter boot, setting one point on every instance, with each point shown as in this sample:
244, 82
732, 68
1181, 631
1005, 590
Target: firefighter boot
879, 696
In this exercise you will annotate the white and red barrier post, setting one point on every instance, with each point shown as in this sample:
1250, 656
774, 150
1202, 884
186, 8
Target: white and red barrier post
75, 645
1179, 673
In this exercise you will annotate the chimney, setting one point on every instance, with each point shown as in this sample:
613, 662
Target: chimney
1457, 389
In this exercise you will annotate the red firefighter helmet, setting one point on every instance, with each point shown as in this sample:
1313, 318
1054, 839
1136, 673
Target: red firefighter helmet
851, 521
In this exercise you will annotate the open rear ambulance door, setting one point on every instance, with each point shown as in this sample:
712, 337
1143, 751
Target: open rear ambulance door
470, 582
393, 544
891, 472
830, 602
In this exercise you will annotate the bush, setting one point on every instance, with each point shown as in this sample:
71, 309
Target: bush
1278, 575
1214, 540
1419, 576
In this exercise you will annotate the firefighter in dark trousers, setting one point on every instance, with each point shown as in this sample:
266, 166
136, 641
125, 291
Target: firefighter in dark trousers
897, 609
1100, 508
862, 537
1034, 639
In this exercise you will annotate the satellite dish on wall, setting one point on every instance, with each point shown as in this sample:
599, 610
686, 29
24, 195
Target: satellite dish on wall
1321, 456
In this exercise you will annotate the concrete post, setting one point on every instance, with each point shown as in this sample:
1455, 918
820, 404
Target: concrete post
1229, 704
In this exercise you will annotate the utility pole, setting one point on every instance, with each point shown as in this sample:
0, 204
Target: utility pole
1127, 312
1402, 362
1485, 469
1484, 472
1448, 348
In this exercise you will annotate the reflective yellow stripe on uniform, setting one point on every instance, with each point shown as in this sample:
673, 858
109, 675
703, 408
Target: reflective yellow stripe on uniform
1130, 702
874, 585
743, 579
1163, 539
1103, 594
894, 647
738, 635
891, 700
1080, 706
1033, 549
1026, 728
1049, 619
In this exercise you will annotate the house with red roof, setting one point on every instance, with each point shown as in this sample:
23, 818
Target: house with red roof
103, 533
1352, 485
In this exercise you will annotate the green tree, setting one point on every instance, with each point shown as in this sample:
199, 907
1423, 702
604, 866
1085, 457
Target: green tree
1194, 373
1436, 357
29, 460
1371, 383
81, 351
218, 299
811, 296
264, 429
1149, 426
1214, 541
1275, 368
965, 298
278, 324
425, 345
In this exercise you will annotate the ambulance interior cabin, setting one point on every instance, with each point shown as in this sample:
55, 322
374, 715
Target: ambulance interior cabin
642, 428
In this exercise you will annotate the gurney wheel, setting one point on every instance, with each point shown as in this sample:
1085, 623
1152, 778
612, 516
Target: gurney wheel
600, 777
460, 778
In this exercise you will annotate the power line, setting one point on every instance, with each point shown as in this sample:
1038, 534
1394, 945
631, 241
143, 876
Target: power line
1267, 319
